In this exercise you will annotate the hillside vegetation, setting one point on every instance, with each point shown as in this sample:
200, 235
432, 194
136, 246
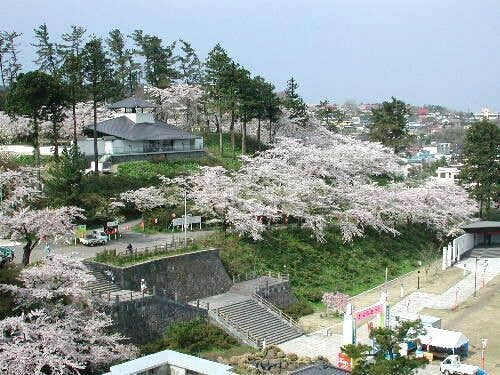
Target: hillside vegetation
316, 267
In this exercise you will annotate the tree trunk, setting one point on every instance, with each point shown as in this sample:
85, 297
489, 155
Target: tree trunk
219, 130
258, 134
55, 139
36, 146
243, 138
233, 139
27, 249
270, 132
73, 109
96, 152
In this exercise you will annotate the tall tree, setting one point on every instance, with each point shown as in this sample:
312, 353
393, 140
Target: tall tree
272, 108
119, 59
329, 115
48, 59
57, 102
247, 104
160, 61
216, 64
3, 52
97, 74
12, 65
481, 171
261, 90
29, 96
189, 64
72, 68
294, 104
389, 125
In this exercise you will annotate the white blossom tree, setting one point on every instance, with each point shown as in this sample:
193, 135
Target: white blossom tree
143, 199
65, 333
21, 220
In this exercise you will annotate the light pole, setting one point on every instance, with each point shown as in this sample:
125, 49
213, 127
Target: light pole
475, 277
484, 343
185, 218
418, 274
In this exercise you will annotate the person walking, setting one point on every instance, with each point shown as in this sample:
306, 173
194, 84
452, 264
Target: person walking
129, 248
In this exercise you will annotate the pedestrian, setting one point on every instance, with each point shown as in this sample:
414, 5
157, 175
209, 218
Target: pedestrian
129, 248
144, 287
48, 251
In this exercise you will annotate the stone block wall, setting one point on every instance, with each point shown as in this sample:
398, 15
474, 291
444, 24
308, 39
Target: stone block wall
280, 294
146, 319
185, 277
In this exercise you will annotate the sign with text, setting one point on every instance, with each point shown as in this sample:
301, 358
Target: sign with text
80, 231
369, 312
344, 362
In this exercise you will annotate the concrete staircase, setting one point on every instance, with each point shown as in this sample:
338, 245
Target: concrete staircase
255, 323
485, 252
104, 287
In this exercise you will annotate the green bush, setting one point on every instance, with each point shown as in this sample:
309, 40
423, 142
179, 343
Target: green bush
191, 337
299, 309
148, 171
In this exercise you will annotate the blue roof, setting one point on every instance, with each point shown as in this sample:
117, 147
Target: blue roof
189, 362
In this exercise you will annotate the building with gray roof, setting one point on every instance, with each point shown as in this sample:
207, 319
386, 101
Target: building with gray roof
135, 134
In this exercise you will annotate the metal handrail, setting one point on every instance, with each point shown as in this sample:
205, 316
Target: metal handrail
277, 311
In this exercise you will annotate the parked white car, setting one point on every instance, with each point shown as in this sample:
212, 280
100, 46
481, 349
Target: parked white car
95, 238
452, 365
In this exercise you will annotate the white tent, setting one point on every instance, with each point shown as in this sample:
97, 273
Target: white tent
441, 338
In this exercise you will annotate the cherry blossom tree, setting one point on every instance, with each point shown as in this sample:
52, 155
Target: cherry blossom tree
335, 301
65, 333
143, 199
20, 220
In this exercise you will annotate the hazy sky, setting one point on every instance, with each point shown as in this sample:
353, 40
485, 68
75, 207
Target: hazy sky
422, 51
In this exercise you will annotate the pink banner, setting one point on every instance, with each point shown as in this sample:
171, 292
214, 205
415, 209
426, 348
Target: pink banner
369, 312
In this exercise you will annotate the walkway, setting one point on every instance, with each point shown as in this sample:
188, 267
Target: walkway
487, 269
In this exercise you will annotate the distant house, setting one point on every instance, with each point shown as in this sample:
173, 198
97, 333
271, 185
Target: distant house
135, 134
448, 173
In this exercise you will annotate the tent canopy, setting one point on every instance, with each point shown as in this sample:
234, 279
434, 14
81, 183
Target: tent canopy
442, 338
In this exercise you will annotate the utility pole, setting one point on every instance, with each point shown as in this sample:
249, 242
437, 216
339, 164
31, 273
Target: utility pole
475, 277
185, 218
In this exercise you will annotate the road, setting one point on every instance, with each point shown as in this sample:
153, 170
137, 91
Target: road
138, 240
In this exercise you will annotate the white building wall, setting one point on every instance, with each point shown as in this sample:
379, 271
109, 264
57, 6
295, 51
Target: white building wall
86, 146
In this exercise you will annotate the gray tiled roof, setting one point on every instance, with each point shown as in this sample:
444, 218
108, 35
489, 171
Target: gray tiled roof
133, 102
480, 224
123, 127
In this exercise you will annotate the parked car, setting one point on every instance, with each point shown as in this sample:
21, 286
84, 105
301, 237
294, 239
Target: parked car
452, 365
6, 256
95, 238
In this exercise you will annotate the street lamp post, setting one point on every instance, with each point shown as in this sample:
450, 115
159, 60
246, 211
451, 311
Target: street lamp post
185, 218
418, 279
484, 343
475, 277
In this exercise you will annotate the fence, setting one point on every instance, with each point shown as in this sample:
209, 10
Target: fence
156, 249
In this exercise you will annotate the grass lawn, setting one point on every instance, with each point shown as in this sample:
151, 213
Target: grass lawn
316, 267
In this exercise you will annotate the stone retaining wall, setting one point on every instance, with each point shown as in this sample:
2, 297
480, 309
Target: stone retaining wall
280, 294
147, 319
183, 277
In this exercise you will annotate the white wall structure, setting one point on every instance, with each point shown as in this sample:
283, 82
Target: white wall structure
455, 249
447, 173
170, 362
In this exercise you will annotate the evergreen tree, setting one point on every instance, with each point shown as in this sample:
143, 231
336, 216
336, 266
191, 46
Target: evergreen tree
294, 104
48, 58
57, 101
160, 61
3, 54
133, 72
119, 60
329, 115
28, 96
12, 66
389, 125
481, 171
261, 90
64, 179
247, 103
189, 64
272, 108
216, 64
97, 74
72, 69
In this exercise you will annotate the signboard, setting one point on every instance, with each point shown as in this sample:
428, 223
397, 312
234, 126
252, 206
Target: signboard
369, 312
344, 362
112, 224
80, 231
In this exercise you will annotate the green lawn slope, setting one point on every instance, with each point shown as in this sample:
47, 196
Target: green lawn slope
316, 267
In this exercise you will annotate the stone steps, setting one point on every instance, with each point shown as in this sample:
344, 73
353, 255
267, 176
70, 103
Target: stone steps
251, 318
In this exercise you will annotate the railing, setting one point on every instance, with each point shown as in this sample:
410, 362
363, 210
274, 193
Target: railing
254, 275
250, 337
276, 311
128, 295
169, 246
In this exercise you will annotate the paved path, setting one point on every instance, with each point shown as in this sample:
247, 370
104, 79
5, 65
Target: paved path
487, 269
138, 240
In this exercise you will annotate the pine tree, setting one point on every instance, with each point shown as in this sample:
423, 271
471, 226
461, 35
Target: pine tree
481, 171
247, 103
57, 101
160, 61
294, 103
3, 52
12, 66
216, 64
119, 59
389, 125
72, 69
48, 59
97, 73
329, 115
189, 64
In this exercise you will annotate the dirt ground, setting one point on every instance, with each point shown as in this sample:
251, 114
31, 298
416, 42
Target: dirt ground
478, 317
435, 281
